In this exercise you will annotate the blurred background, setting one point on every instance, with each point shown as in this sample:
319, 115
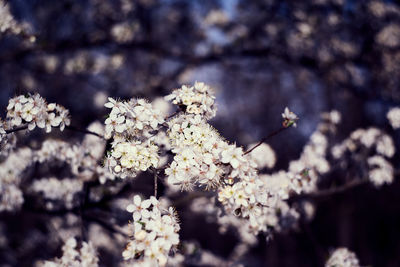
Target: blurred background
259, 56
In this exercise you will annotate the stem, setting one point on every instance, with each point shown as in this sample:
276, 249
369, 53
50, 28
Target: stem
172, 115
20, 128
106, 225
265, 139
84, 200
75, 129
71, 128
155, 183
332, 191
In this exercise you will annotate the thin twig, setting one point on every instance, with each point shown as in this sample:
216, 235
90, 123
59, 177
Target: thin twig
84, 201
173, 114
155, 183
71, 128
332, 191
105, 225
265, 139
75, 129
20, 128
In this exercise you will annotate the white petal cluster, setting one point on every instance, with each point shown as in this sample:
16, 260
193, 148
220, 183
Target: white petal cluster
263, 155
289, 118
369, 138
130, 124
197, 99
381, 171
198, 149
7, 140
7, 21
394, 117
313, 161
204, 158
72, 257
155, 233
62, 190
3, 134
279, 218
304, 172
83, 158
131, 118
11, 170
129, 158
34, 111
342, 257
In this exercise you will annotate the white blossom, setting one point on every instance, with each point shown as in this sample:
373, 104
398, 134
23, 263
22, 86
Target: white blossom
381, 171
342, 257
197, 99
129, 158
263, 155
33, 111
7, 21
131, 118
62, 190
72, 257
155, 233
393, 116
289, 118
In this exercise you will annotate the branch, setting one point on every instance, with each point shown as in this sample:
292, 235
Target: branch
106, 225
331, 191
75, 129
71, 128
20, 128
265, 139
155, 183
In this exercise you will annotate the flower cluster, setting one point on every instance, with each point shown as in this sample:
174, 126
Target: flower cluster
304, 172
11, 170
394, 117
72, 257
342, 257
131, 118
131, 125
204, 158
369, 138
364, 142
263, 155
129, 158
198, 148
3, 134
7, 21
381, 171
155, 232
197, 99
62, 190
34, 111
83, 158
289, 118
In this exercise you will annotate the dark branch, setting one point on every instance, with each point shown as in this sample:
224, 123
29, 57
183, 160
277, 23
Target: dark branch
75, 129
331, 191
20, 128
265, 139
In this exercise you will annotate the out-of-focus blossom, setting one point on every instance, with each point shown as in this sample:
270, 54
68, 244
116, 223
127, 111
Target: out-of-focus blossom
86, 256
342, 257
289, 118
197, 99
155, 233
394, 117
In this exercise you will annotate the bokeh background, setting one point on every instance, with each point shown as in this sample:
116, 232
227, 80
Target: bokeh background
259, 56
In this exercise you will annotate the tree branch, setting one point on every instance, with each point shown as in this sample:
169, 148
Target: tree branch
75, 129
331, 191
265, 139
